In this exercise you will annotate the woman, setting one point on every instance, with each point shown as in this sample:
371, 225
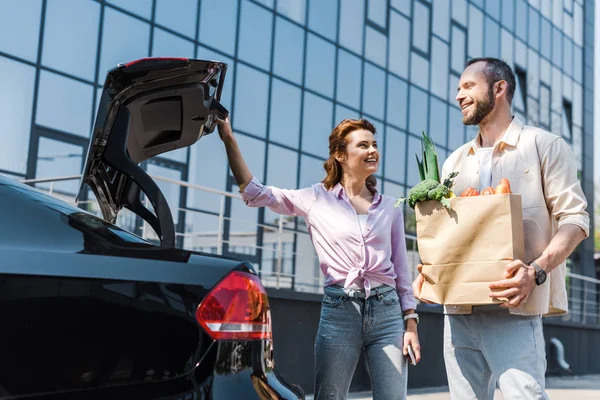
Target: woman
358, 235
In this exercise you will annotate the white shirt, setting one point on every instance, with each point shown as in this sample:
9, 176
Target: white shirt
484, 154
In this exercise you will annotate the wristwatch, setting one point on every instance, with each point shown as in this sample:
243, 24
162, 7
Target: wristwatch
412, 316
540, 274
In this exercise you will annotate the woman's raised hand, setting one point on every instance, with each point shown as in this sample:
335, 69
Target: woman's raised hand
224, 128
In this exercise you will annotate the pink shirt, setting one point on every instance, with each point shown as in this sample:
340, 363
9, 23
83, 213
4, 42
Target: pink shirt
347, 253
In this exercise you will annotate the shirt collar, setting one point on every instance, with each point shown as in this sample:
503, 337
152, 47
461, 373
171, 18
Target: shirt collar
510, 137
338, 191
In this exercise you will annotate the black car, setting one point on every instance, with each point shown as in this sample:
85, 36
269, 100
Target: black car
91, 311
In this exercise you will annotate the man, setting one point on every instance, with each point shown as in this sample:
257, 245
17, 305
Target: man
485, 345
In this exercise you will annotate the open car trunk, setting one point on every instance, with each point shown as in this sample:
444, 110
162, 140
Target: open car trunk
149, 107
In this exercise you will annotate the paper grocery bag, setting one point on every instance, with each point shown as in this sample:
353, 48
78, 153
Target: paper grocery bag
464, 249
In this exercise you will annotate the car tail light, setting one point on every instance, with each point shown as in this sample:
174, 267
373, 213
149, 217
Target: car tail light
236, 309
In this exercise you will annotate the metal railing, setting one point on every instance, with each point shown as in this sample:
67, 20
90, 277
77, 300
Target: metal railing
276, 243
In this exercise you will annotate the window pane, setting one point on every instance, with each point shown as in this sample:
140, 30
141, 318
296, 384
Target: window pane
459, 46
508, 14
394, 190
16, 96
320, 65
254, 154
402, 6
165, 44
374, 91
439, 77
459, 11
376, 47
395, 151
208, 151
414, 147
81, 33
545, 99
492, 7
377, 12
218, 24
557, 47
285, 113
492, 38
420, 34
521, 22
172, 192
348, 79
441, 18
311, 171
352, 20
20, 29
322, 17
398, 45
452, 90
124, 39
475, 32
546, 45
55, 159
178, 15
289, 50
64, 104
251, 98
456, 129
578, 25
438, 112
342, 112
418, 111
419, 72
293, 9
316, 126
578, 64
255, 35
143, 8
284, 178
507, 47
567, 55
396, 101
534, 29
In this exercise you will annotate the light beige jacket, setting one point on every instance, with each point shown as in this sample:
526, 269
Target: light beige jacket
541, 168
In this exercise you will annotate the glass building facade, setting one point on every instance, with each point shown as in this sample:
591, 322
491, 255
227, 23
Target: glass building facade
296, 68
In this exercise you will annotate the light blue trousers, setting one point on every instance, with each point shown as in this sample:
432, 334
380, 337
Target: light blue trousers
491, 346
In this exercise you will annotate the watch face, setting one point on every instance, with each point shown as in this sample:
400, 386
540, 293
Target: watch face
540, 277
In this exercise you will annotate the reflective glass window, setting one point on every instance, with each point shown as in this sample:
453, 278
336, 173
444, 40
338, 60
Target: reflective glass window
289, 50
578, 64
402, 6
56, 158
438, 112
255, 35
178, 15
395, 154
557, 13
209, 151
251, 98
567, 55
534, 29
508, 14
393, 189
492, 38
226, 94
20, 28
439, 75
311, 171
396, 102
342, 112
143, 8
282, 166
419, 72
218, 24
293, 9
165, 44
172, 192
377, 12
374, 91
267, 3
478, 3
320, 65
421, 27
578, 25
459, 45
80, 33
441, 18
476, 32
376, 46
520, 53
323, 16
418, 111
254, 154
521, 22
414, 147
545, 99
492, 7
64, 104
284, 124
399, 47
16, 96
557, 47
352, 20
349, 70
316, 125
546, 38
507, 46
459, 11
456, 129
452, 90
124, 39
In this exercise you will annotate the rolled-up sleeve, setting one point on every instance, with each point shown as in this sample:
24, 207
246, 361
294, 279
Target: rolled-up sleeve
562, 189
400, 261
281, 201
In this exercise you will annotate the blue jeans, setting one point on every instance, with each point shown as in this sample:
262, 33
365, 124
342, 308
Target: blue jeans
346, 327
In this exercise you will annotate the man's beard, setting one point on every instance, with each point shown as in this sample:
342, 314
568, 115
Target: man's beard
482, 109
